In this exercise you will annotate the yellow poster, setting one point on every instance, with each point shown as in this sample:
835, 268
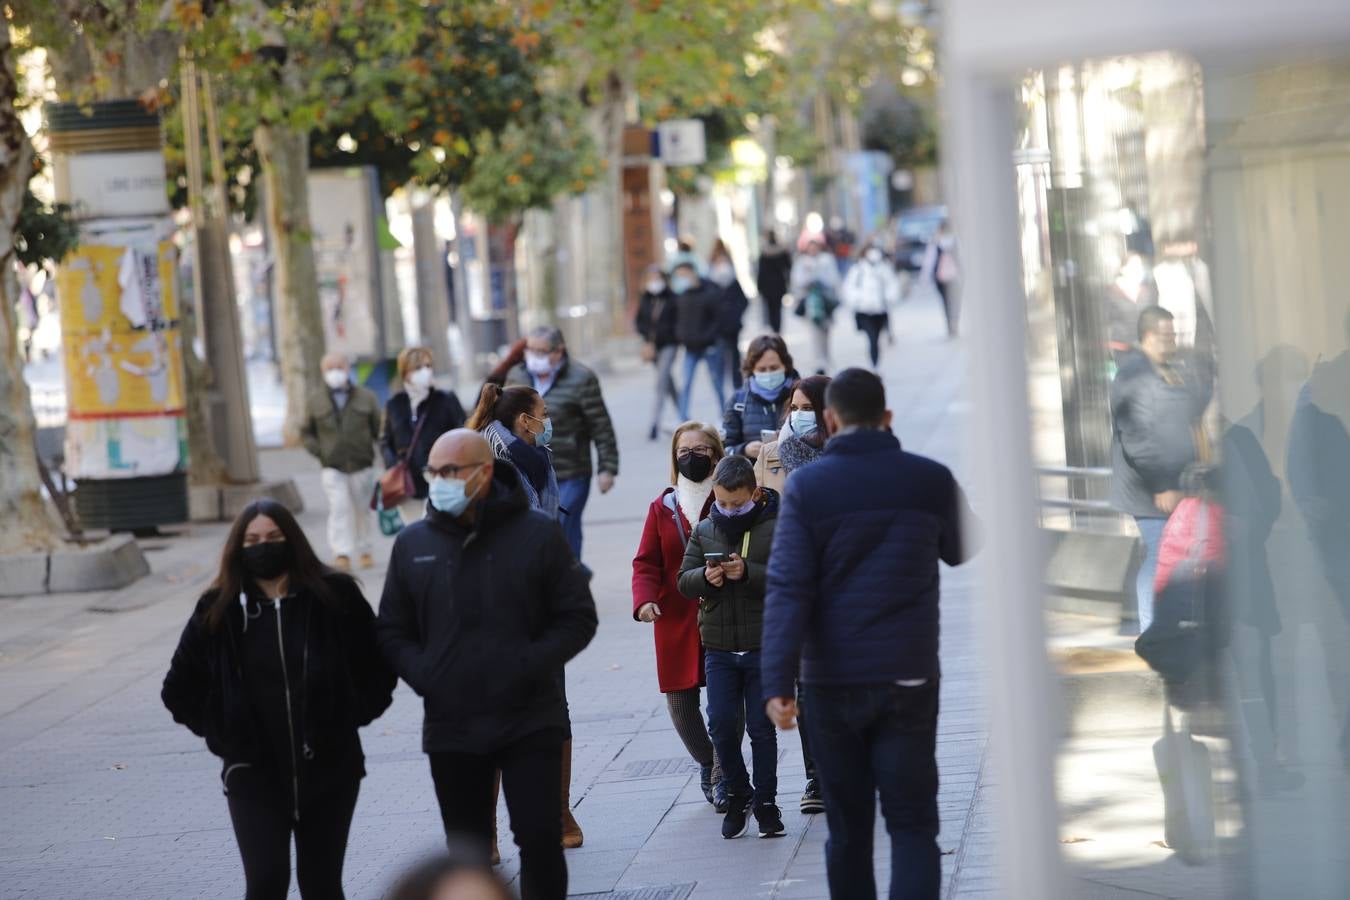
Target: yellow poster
117, 289
136, 373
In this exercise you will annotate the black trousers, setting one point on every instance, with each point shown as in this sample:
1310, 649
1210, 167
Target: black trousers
872, 325
261, 811
773, 312
532, 782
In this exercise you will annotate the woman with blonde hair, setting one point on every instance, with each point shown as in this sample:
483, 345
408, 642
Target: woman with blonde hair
694, 452
413, 418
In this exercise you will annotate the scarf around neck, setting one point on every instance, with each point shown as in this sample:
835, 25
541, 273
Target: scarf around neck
692, 496
793, 453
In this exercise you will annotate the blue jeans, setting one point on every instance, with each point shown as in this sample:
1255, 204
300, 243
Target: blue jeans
1150, 532
733, 693
712, 358
572, 496
871, 739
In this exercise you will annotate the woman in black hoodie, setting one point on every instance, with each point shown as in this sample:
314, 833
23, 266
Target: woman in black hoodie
276, 669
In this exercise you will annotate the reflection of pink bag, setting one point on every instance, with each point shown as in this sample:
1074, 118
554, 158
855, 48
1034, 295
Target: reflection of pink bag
946, 267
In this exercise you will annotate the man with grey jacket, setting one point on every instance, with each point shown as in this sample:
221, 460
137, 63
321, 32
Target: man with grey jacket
1158, 401
341, 427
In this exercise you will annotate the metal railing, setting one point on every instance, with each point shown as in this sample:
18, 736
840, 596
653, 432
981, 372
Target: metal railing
1077, 504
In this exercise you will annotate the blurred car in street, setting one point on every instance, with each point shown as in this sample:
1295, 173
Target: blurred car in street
914, 228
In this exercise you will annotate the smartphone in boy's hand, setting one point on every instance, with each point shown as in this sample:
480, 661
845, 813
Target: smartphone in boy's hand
714, 559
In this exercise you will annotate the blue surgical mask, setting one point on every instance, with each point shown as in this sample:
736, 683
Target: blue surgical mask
543, 437
770, 381
449, 495
681, 284
802, 422
748, 506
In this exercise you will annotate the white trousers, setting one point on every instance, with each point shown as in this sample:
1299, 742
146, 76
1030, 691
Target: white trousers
349, 515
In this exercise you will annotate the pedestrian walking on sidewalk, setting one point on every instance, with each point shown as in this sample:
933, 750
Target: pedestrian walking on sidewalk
696, 328
341, 427
694, 451
723, 568
853, 598
656, 326
517, 426
870, 289
942, 265
483, 605
580, 419
771, 279
800, 442
758, 406
1158, 400
731, 306
815, 287
276, 668
413, 419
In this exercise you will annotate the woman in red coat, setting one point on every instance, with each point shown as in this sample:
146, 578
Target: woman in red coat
695, 451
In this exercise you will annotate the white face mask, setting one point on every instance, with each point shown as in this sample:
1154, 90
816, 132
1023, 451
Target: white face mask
874, 255
723, 274
655, 286
336, 379
538, 363
420, 378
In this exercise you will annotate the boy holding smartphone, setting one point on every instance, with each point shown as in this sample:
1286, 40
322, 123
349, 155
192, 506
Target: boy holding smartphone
723, 569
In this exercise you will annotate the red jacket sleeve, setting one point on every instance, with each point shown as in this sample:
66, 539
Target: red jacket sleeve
649, 563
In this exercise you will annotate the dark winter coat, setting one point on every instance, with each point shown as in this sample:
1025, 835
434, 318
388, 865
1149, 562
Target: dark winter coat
341, 681
853, 579
731, 617
442, 412
342, 439
656, 318
1319, 470
656, 571
1156, 430
775, 266
696, 317
731, 306
1251, 500
480, 620
747, 414
580, 419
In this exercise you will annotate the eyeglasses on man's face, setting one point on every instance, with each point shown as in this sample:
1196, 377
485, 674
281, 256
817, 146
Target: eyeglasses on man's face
448, 471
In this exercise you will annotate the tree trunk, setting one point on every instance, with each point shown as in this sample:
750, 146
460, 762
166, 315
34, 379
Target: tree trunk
606, 267
31, 526
284, 155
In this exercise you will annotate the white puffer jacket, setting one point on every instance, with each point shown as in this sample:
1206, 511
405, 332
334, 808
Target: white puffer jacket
871, 287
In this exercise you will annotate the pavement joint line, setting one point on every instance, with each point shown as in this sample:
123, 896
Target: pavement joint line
966, 832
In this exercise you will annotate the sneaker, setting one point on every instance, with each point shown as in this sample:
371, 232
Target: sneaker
737, 819
811, 801
720, 800
770, 820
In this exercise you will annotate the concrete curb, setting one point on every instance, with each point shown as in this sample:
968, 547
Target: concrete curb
221, 503
108, 565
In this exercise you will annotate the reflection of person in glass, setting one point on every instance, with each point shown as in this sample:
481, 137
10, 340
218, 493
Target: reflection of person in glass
1157, 400
1319, 476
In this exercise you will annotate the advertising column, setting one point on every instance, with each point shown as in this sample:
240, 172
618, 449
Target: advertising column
126, 443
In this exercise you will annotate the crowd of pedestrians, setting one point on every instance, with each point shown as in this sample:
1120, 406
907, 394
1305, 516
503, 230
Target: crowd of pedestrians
792, 599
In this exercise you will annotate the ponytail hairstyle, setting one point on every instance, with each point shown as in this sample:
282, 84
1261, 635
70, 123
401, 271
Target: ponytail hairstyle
499, 404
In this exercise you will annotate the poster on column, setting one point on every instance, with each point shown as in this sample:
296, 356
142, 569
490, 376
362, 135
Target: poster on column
342, 215
123, 352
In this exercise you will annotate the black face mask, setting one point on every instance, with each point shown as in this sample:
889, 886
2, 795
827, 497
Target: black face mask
695, 467
267, 560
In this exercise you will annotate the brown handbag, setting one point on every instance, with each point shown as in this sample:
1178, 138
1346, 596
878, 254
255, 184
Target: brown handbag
396, 484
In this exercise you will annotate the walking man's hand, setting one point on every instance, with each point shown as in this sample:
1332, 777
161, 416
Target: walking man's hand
783, 712
605, 481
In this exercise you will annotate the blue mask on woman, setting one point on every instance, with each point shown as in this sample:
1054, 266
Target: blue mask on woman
543, 437
770, 381
802, 422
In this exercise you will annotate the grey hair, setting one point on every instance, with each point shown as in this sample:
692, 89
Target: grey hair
550, 333
734, 473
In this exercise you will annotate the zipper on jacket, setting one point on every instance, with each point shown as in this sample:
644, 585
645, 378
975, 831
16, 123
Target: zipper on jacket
304, 687
290, 720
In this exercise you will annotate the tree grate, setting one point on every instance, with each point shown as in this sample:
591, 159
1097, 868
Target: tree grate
662, 892
654, 768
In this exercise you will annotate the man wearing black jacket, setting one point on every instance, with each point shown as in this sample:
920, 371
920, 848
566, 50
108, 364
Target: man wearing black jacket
696, 325
483, 605
1158, 400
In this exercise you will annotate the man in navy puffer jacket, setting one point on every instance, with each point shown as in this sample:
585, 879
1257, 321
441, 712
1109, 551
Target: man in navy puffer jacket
852, 594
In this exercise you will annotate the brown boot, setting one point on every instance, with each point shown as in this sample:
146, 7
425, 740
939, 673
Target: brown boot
496, 792
343, 564
367, 561
571, 831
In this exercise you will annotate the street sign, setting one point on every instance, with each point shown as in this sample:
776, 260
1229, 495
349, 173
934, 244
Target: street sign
680, 142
